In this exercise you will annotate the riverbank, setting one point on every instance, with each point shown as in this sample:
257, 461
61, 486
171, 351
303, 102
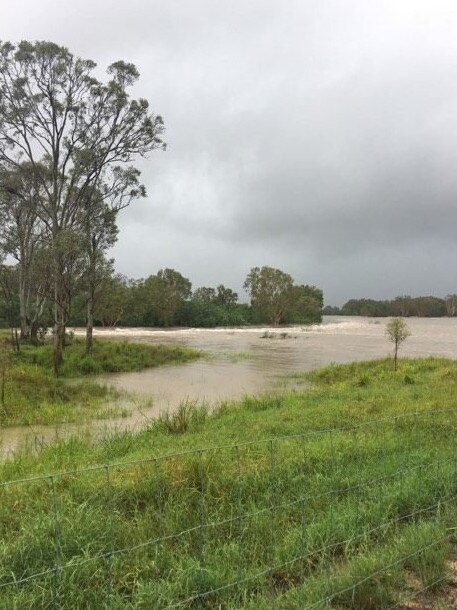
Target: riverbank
31, 394
350, 499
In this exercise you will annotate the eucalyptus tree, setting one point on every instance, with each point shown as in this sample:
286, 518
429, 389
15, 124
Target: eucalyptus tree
113, 300
55, 114
22, 237
306, 305
225, 296
9, 292
101, 205
204, 294
100, 234
163, 293
270, 290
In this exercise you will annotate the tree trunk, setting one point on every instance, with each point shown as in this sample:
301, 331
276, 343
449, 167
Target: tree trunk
276, 320
59, 325
24, 319
34, 332
90, 325
3, 385
395, 355
91, 299
16, 340
59, 338
35, 320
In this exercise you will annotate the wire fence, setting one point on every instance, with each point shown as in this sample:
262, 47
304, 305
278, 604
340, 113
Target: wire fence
357, 516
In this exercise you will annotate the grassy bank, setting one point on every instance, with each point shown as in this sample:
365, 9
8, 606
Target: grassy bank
109, 356
341, 496
33, 395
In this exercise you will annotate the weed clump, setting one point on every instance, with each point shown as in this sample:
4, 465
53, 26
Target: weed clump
187, 415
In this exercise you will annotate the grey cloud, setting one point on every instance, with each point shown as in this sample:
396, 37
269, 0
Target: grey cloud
319, 137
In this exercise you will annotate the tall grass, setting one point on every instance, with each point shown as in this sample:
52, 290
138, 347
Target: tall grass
341, 496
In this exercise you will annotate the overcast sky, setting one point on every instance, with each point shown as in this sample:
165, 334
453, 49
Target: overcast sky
317, 136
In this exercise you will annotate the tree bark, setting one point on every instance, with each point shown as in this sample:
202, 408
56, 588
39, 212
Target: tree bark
59, 324
34, 332
92, 280
23, 308
90, 325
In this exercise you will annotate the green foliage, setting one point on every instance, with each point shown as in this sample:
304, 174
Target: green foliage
404, 306
306, 303
397, 330
225, 296
198, 313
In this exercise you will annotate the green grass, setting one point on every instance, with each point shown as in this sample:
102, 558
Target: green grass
359, 517
109, 356
33, 395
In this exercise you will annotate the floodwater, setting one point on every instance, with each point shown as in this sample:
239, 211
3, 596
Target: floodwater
241, 361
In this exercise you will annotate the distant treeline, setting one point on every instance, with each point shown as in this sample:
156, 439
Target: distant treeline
406, 306
168, 299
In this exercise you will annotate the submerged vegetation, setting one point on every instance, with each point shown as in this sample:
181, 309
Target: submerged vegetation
340, 496
32, 394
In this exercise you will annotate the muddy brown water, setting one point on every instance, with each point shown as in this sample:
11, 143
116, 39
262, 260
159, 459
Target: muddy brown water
241, 361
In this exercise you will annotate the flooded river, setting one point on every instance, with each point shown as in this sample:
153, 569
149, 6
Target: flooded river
243, 361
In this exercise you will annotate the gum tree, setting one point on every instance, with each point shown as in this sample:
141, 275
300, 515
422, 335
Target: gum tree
270, 292
22, 237
77, 133
164, 293
100, 208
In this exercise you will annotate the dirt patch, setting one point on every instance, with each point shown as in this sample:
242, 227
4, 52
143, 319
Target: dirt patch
444, 597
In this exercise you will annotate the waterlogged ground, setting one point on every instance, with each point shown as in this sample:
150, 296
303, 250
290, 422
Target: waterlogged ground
242, 361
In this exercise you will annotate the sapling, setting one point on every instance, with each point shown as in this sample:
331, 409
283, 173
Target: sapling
397, 331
